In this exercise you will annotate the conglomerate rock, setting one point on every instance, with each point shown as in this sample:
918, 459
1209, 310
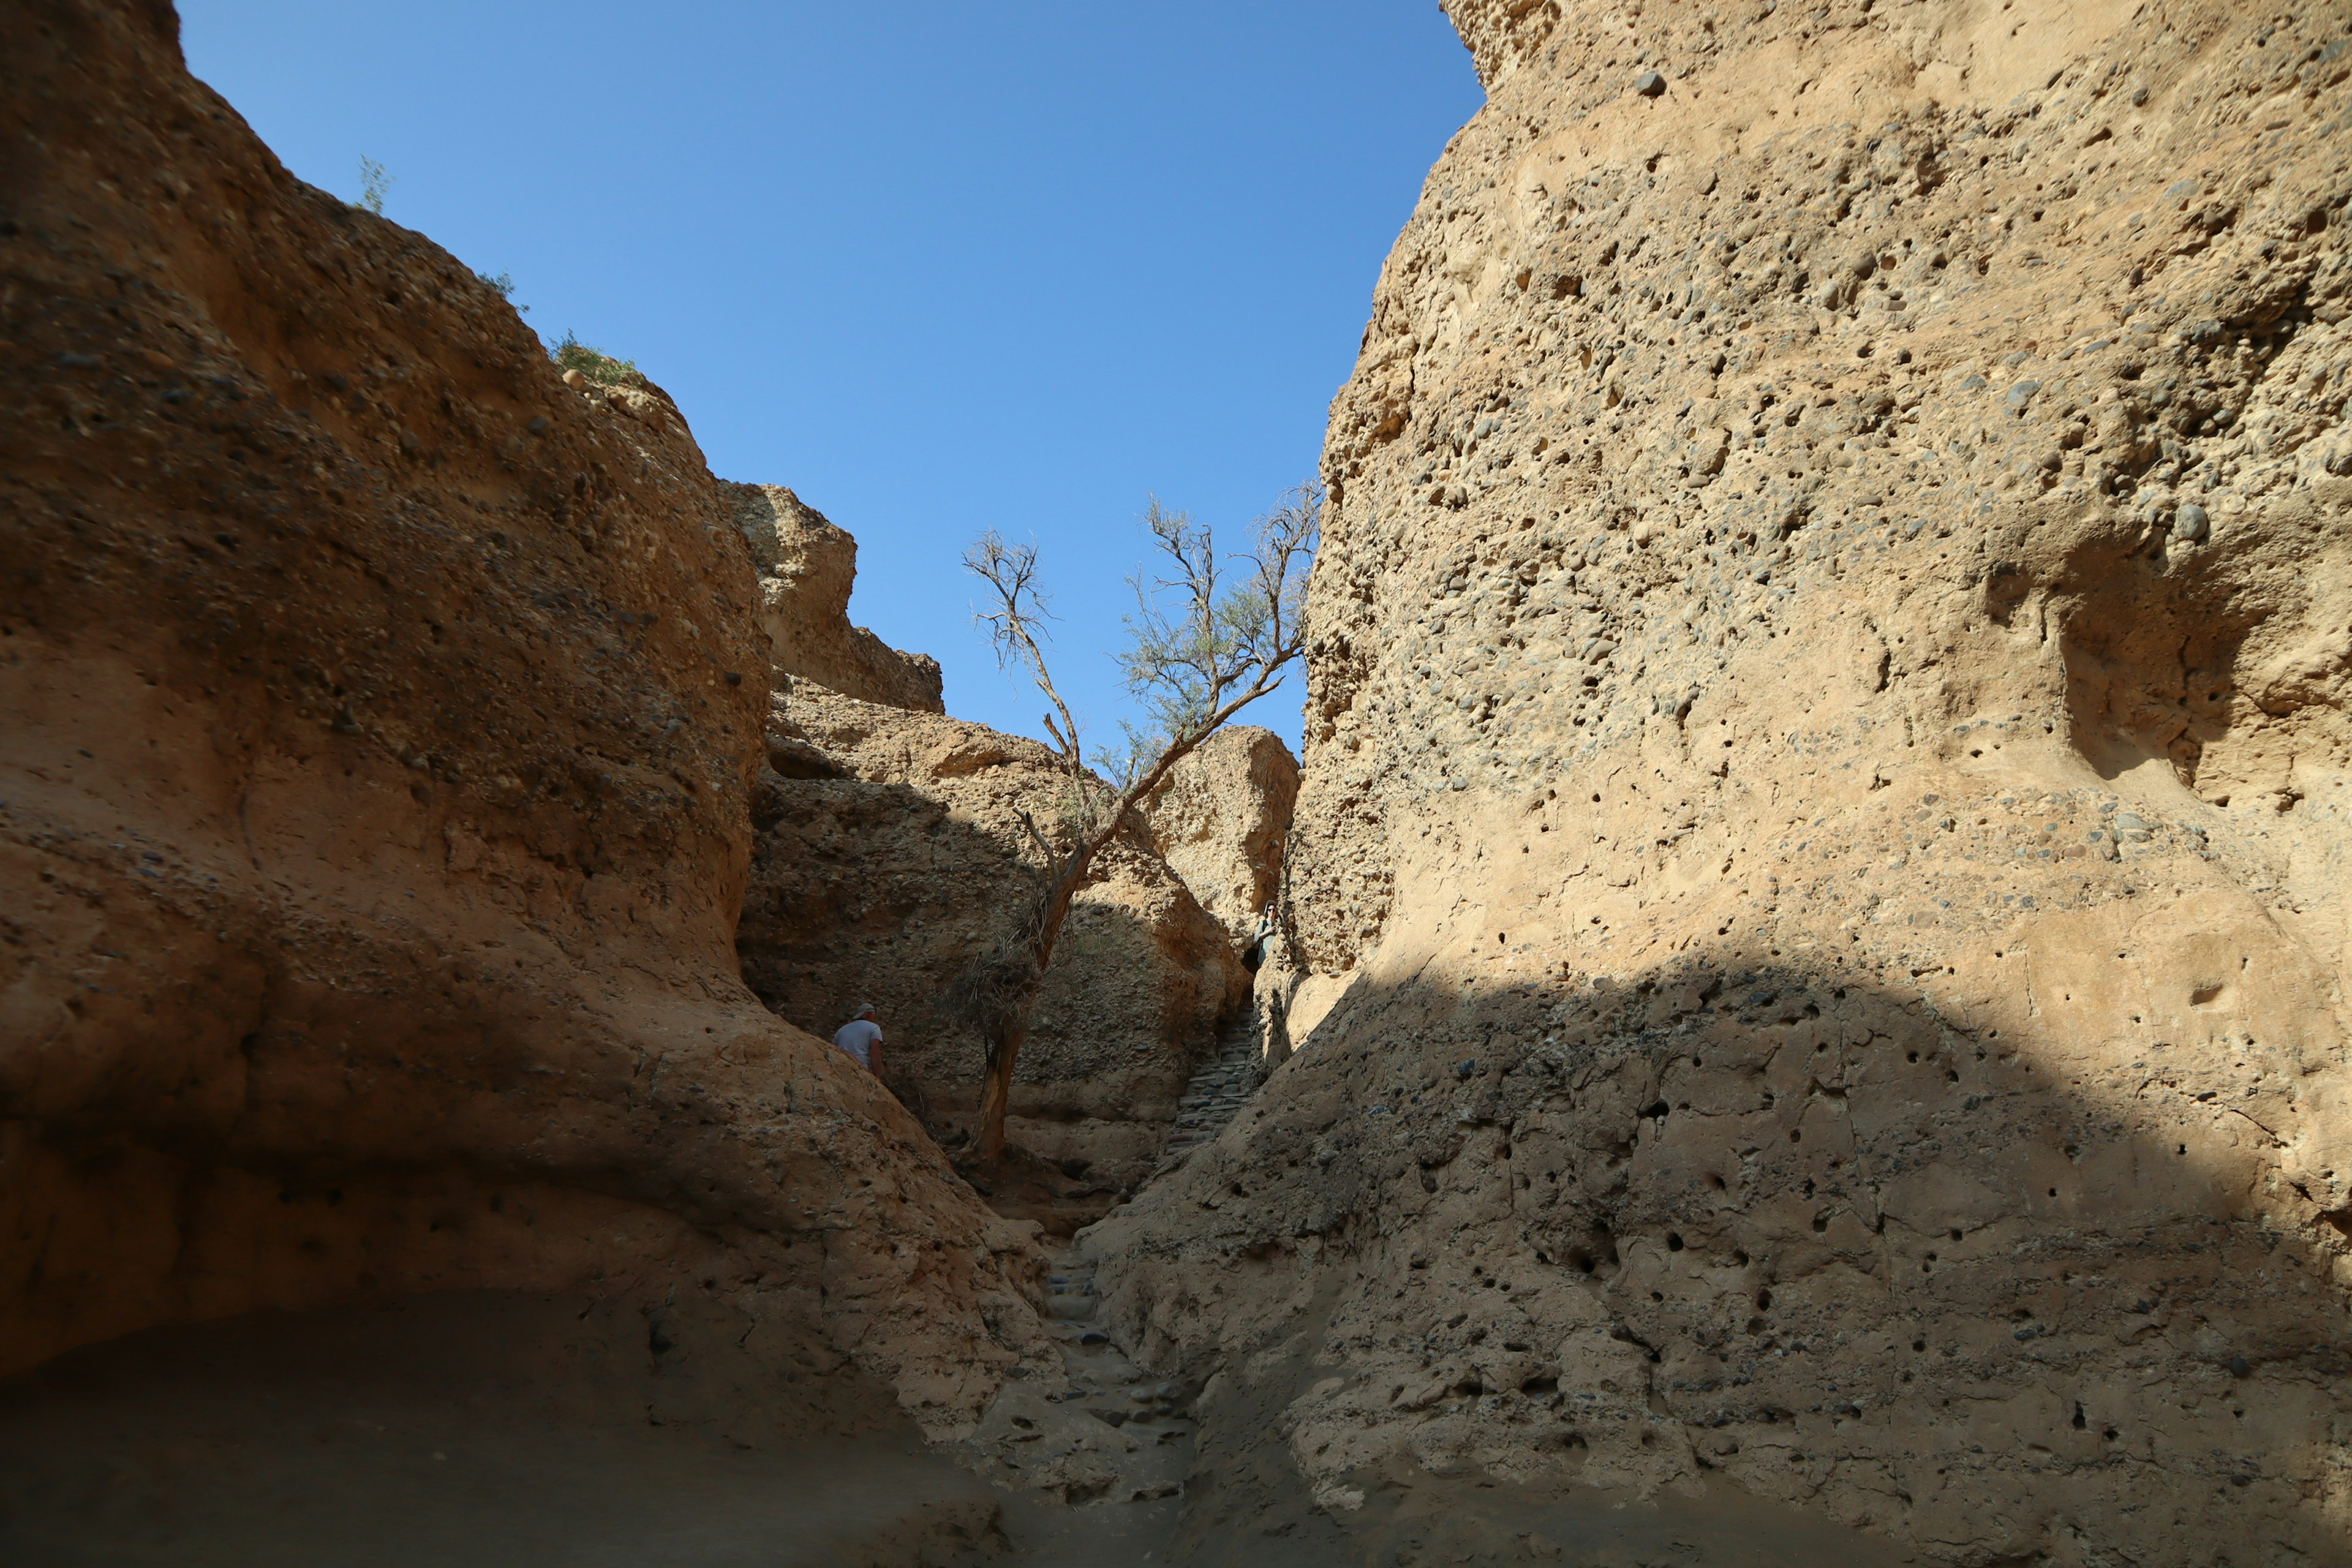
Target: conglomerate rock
381, 718
1822, 868
890, 854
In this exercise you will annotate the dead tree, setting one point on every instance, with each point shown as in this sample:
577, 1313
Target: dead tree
1203, 644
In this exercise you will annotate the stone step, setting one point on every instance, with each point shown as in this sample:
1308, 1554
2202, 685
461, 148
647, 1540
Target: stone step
1218, 1089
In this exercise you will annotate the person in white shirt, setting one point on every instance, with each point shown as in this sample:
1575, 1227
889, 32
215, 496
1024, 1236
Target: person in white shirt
862, 1038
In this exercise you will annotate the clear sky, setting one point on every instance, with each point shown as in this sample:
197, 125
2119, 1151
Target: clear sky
940, 268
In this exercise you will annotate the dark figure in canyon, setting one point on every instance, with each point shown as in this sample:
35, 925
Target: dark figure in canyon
1254, 955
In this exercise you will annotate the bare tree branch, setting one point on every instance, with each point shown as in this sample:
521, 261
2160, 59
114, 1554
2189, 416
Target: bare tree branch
1018, 619
1200, 649
1045, 847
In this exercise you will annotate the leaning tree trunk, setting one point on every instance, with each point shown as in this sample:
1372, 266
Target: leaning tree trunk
1004, 1043
1007, 986
1004, 1022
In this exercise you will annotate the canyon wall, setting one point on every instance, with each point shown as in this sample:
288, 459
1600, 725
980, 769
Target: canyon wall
807, 568
1220, 819
381, 718
1821, 880
890, 854
889, 851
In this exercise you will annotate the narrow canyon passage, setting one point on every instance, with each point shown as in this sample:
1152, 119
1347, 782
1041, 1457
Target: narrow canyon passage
1791, 1008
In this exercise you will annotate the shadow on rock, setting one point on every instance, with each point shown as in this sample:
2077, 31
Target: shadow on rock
889, 854
1737, 1227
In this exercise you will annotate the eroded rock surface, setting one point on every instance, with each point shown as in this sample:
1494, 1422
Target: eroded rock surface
1821, 878
890, 853
1220, 819
807, 568
380, 721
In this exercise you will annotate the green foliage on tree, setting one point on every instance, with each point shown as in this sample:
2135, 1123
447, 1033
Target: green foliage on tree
503, 285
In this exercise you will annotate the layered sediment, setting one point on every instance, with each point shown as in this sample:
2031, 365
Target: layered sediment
1818, 899
383, 717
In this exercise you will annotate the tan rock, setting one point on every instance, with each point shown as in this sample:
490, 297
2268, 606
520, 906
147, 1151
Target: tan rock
1820, 873
1220, 819
807, 567
381, 718
885, 866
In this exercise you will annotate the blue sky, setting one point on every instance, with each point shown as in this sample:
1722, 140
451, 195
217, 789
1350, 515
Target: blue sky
940, 268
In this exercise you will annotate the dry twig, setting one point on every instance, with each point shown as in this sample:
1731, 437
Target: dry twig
1201, 647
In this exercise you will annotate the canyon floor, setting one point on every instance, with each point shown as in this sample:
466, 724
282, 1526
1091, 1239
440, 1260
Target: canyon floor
481, 1430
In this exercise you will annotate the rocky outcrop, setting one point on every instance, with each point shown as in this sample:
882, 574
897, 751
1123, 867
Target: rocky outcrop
1220, 819
807, 567
891, 852
1821, 864
381, 717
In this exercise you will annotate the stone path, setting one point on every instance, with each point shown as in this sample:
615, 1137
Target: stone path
1219, 1087
1104, 1383
1116, 1442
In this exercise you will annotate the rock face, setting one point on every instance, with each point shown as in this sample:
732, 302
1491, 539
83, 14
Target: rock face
1823, 847
1220, 819
890, 850
380, 721
807, 567
890, 853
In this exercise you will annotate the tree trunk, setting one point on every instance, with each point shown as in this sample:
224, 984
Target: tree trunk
1009, 1030
996, 1089
1005, 1030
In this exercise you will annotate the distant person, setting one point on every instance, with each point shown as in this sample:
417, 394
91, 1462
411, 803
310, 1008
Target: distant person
862, 1038
1254, 956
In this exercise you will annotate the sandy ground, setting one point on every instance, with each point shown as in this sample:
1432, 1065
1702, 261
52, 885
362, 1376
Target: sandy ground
455, 1430
503, 1430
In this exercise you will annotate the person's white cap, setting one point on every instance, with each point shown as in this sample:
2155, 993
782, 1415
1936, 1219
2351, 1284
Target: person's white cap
863, 1009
